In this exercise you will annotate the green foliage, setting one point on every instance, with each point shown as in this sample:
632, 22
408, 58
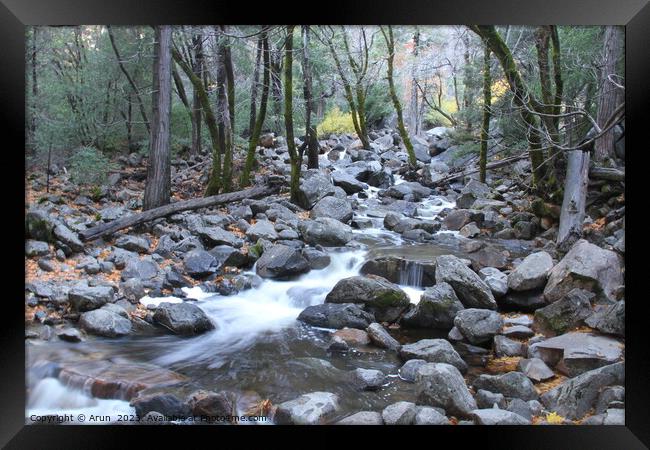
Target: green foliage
434, 119
378, 103
336, 122
89, 167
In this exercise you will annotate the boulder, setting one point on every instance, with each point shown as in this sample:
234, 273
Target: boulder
210, 404
531, 273
397, 270
486, 399
470, 289
333, 207
427, 415
609, 319
564, 314
87, 298
442, 385
199, 263
281, 261
325, 231
585, 266
437, 308
36, 248
165, 403
362, 418
212, 236
313, 187
330, 315
434, 351
368, 379
458, 218
504, 346
400, 413
103, 322
496, 280
347, 182
410, 191
314, 408
511, 384
478, 325
409, 370
182, 318
535, 369
498, 417
381, 338
133, 243
262, 229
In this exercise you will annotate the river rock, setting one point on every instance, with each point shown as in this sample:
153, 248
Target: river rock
531, 273
511, 384
212, 236
210, 404
535, 369
347, 182
496, 280
164, 403
133, 243
381, 338
87, 298
409, 370
314, 408
458, 218
470, 289
609, 319
610, 397
313, 187
434, 351
410, 191
575, 353
564, 314
281, 261
39, 225
262, 229
199, 263
335, 208
182, 318
103, 322
363, 418
437, 308
325, 231
486, 399
427, 415
69, 238
576, 396
504, 346
585, 266
394, 269
36, 248
400, 413
442, 385
331, 315
478, 325
368, 379
498, 417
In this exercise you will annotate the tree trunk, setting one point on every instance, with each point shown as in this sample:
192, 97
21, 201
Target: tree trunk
398, 107
414, 107
573, 205
296, 162
254, 87
612, 52
32, 113
487, 99
225, 112
261, 116
158, 187
197, 68
311, 136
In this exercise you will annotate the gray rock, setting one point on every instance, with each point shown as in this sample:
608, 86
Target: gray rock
310, 409
564, 314
210, 404
36, 248
381, 338
498, 417
281, 261
496, 280
363, 418
400, 413
132, 289
609, 397
486, 399
368, 379
347, 182
133, 243
442, 385
335, 208
39, 225
143, 269
331, 315
470, 230
504, 346
68, 237
458, 218
165, 403
398, 270
437, 308
576, 396
69, 335
103, 322
511, 384
478, 325
585, 266
262, 229
313, 187
182, 318
199, 263
85, 298
470, 289
409, 370
46, 264
535, 369
531, 273
609, 319
434, 351
427, 415
325, 231
518, 332
410, 191
212, 236
317, 259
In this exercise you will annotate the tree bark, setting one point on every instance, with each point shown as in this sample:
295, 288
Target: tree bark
487, 99
612, 52
414, 106
166, 210
197, 111
575, 193
158, 188
311, 136
296, 162
32, 113
254, 87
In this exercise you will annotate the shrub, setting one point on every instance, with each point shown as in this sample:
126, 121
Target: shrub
89, 167
435, 119
336, 122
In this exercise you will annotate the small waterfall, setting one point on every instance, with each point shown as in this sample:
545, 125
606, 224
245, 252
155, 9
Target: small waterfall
411, 274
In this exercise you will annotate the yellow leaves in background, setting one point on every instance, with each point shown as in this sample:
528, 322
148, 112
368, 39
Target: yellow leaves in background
336, 122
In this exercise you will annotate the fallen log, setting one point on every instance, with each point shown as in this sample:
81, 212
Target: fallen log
572, 214
606, 173
493, 165
166, 210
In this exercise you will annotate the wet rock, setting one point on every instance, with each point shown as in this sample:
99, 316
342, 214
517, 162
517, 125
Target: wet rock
478, 325
511, 384
70, 335
103, 322
458, 218
576, 396
410, 191
335, 208
486, 399
400, 413
498, 417
36, 248
325, 231
609, 319
199, 263
470, 230
437, 308
575, 353
133, 243
434, 351
535, 369
167, 404
442, 385
262, 229
86, 298
531, 273
488, 256
363, 418
352, 336
585, 266
347, 182
182, 318
392, 268
132, 289
409, 370
281, 261
317, 259
470, 289
496, 280
310, 409
368, 379
427, 415
211, 404
564, 314
212, 236
313, 187
381, 338
331, 315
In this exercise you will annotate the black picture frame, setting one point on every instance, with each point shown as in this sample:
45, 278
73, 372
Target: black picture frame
16, 14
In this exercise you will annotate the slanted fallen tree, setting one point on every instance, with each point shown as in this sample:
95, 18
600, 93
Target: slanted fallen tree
469, 171
166, 210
